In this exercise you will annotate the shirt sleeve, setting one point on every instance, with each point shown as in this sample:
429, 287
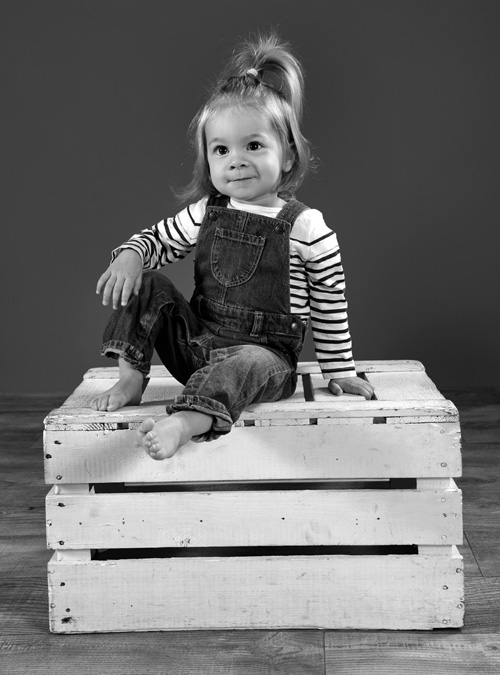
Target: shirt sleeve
328, 305
169, 240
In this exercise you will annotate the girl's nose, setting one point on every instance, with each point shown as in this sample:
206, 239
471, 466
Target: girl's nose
237, 161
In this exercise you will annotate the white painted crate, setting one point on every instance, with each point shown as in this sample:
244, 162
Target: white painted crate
302, 517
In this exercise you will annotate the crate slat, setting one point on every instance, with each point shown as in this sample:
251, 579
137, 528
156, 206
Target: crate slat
260, 453
398, 386
336, 407
251, 518
261, 592
362, 367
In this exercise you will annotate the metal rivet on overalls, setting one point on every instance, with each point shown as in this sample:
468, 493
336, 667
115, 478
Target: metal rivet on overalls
294, 326
213, 215
279, 229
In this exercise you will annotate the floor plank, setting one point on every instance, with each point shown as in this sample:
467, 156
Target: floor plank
39, 402
482, 605
415, 653
24, 556
484, 542
480, 485
479, 413
471, 566
183, 653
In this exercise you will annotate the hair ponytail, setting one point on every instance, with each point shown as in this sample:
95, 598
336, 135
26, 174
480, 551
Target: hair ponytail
275, 66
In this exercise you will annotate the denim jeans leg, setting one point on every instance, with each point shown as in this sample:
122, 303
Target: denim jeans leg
233, 378
158, 318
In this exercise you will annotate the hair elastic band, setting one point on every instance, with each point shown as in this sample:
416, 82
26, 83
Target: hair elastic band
252, 71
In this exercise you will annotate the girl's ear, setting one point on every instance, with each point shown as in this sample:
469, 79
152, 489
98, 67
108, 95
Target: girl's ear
288, 158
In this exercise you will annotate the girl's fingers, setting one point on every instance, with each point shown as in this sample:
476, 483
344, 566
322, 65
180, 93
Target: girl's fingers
334, 388
126, 291
364, 389
138, 284
367, 392
102, 280
108, 290
117, 292
359, 387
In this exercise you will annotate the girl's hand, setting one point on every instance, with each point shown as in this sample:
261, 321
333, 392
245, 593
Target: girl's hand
122, 278
351, 385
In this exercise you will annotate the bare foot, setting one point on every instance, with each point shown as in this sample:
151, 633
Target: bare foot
127, 391
162, 439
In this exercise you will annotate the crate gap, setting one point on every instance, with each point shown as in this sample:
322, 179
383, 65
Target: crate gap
250, 551
383, 484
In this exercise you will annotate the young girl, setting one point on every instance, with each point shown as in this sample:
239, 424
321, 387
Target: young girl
265, 264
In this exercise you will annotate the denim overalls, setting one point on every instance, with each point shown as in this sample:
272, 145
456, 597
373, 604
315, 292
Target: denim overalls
236, 342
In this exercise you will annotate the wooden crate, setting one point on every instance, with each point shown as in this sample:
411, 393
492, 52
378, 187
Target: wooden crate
314, 512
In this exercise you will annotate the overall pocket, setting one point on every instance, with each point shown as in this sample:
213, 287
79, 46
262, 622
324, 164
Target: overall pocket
235, 256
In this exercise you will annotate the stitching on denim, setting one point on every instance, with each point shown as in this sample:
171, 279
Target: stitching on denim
190, 402
284, 372
121, 348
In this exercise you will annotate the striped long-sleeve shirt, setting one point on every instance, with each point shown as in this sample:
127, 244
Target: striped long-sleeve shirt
317, 282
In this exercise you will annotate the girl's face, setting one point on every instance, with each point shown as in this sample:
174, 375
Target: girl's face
245, 156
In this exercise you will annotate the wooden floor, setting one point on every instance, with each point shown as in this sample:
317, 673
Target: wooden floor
26, 646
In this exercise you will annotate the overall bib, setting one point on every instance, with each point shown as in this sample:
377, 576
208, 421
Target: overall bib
236, 342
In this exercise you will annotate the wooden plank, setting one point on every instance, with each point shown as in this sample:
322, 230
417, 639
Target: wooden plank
111, 373
471, 566
260, 453
436, 484
401, 386
23, 554
159, 389
254, 518
482, 599
203, 653
32, 402
479, 412
159, 392
378, 366
394, 386
438, 653
335, 407
375, 592
484, 542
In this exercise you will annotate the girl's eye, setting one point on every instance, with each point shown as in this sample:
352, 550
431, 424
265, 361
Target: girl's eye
220, 150
254, 145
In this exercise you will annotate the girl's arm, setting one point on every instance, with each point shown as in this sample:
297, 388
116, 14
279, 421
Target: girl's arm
166, 242
169, 240
329, 320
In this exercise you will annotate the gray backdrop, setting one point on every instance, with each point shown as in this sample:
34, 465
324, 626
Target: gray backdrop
402, 109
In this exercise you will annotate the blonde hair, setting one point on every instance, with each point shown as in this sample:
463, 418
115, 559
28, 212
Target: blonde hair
263, 74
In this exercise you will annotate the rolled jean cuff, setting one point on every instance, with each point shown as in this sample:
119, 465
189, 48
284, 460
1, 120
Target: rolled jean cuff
222, 419
116, 348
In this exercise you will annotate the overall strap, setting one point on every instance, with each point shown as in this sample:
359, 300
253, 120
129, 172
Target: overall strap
218, 200
292, 210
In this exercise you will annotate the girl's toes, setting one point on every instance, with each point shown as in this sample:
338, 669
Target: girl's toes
147, 425
102, 404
